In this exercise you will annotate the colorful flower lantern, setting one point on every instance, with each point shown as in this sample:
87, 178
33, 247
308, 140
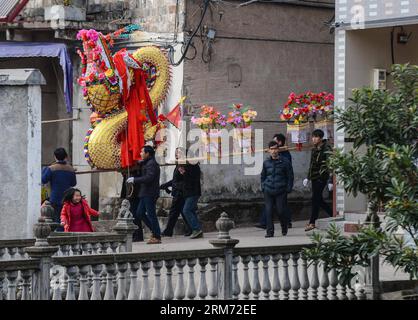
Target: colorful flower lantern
299, 109
240, 119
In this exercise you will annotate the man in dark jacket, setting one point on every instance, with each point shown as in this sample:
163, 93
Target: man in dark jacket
191, 191
276, 182
176, 184
281, 141
149, 191
61, 177
319, 175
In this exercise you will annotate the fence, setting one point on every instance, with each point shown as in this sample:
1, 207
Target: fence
222, 272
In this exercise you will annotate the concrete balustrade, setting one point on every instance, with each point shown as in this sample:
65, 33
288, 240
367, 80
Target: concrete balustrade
74, 243
93, 268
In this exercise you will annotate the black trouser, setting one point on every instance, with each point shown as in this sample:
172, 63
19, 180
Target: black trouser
57, 216
176, 209
279, 201
317, 200
147, 212
138, 234
263, 214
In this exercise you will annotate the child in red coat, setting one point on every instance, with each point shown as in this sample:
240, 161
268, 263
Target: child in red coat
75, 214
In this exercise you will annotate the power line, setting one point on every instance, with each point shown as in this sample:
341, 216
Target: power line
171, 49
273, 40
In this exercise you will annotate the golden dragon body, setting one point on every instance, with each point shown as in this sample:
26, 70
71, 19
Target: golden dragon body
102, 145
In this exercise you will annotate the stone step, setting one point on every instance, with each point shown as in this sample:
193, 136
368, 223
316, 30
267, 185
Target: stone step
355, 217
349, 223
358, 216
323, 224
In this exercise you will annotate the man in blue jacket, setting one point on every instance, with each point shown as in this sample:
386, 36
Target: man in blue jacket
281, 141
61, 177
276, 183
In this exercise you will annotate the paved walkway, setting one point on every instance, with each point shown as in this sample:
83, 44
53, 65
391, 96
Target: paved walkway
251, 237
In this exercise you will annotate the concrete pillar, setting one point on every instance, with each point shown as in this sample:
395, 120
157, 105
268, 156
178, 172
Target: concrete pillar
44, 252
79, 130
125, 225
20, 157
225, 271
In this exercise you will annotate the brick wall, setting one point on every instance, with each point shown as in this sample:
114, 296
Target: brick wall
278, 49
158, 15
153, 15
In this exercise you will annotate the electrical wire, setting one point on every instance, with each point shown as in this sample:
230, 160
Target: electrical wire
392, 49
330, 24
195, 52
255, 38
207, 51
171, 50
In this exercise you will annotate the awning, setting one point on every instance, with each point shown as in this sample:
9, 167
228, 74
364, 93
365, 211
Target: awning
16, 49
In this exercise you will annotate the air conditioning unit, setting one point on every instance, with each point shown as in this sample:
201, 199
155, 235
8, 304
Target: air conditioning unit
379, 79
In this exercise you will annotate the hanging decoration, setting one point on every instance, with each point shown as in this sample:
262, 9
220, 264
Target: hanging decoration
324, 115
241, 118
299, 109
124, 92
211, 121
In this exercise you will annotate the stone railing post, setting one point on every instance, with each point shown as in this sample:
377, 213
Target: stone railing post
371, 279
42, 251
225, 265
47, 211
125, 225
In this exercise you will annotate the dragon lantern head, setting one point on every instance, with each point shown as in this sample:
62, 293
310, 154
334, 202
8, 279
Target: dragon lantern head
109, 81
100, 80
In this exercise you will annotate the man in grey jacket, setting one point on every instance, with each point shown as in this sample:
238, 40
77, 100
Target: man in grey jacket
276, 182
148, 193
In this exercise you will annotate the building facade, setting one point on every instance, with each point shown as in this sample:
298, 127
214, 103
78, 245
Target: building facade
370, 36
255, 54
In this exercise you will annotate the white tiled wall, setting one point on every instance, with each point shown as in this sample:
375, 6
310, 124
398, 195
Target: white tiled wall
374, 10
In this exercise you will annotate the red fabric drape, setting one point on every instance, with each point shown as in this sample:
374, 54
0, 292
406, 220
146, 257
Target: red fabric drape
137, 103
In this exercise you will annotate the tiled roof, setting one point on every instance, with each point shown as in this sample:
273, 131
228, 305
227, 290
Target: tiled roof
8, 7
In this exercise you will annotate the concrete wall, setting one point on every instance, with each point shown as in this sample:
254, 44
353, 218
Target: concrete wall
365, 50
20, 160
53, 134
79, 130
14, 126
157, 16
152, 15
370, 48
279, 49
